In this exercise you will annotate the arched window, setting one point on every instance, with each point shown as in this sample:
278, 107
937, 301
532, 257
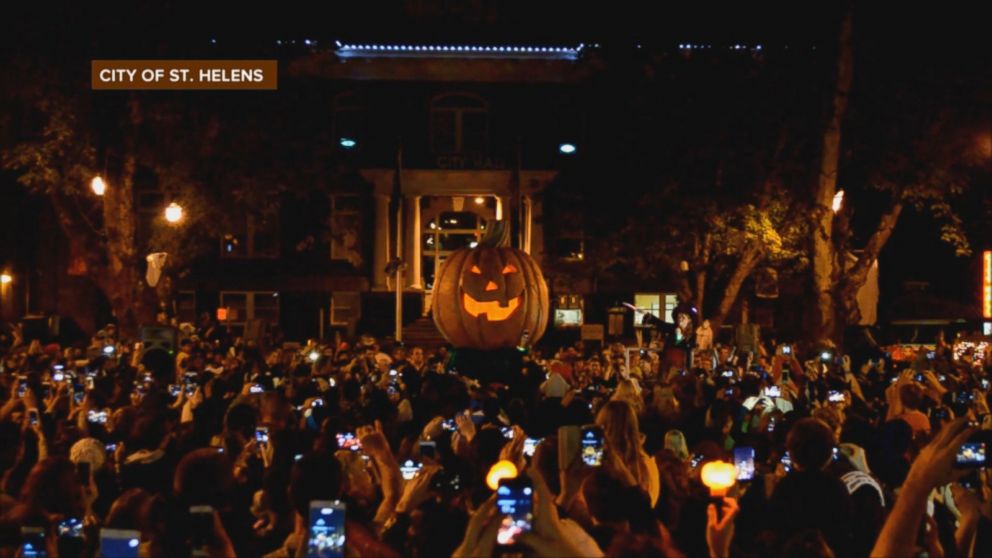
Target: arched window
349, 118
459, 123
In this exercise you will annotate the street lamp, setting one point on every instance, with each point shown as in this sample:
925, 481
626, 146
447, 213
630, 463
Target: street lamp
5, 279
479, 200
838, 200
98, 186
174, 213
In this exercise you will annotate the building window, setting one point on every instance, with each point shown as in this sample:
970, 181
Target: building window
346, 228
659, 304
450, 231
568, 311
251, 237
345, 308
246, 306
459, 124
349, 119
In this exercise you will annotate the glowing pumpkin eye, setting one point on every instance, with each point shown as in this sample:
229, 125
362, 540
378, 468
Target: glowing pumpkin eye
475, 269
509, 269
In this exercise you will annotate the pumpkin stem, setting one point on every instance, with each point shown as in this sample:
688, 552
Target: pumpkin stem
497, 234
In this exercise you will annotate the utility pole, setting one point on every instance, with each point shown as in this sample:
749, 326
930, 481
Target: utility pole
398, 202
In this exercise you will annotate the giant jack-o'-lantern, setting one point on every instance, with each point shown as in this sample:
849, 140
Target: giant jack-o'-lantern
486, 297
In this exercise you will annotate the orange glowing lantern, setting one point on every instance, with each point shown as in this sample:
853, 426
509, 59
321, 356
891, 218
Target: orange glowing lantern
719, 476
500, 470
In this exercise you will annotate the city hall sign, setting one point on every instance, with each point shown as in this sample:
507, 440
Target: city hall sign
469, 162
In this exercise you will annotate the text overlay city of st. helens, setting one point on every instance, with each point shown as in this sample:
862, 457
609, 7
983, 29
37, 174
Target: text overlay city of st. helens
184, 74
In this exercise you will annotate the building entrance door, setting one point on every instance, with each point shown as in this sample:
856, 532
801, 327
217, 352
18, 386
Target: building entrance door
451, 223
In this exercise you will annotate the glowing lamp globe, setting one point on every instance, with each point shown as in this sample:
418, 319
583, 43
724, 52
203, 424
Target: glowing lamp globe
500, 470
174, 213
838, 201
719, 476
98, 186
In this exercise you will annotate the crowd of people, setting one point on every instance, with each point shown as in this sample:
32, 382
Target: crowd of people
374, 449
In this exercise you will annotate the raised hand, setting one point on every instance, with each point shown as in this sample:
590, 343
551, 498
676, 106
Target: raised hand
374, 442
433, 429
547, 537
480, 535
513, 451
417, 490
934, 466
465, 425
720, 532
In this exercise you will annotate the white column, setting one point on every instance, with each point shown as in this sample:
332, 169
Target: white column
414, 243
502, 206
527, 221
380, 251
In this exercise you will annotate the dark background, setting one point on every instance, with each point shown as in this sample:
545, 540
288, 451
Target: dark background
896, 46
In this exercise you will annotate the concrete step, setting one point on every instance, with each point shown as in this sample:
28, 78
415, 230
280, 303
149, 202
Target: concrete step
423, 333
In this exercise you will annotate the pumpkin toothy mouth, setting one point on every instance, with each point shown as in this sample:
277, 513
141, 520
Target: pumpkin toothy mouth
493, 311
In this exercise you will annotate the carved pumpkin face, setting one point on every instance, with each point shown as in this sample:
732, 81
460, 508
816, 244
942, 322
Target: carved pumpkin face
486, 297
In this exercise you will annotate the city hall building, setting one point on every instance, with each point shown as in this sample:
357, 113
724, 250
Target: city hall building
431, 144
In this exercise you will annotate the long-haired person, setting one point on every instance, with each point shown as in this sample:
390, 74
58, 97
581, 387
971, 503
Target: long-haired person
618, 420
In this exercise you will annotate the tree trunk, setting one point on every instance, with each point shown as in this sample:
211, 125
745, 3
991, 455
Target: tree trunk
824, 257
700, 293
745, 266
121, 280
702, 262
855, 277
685, 289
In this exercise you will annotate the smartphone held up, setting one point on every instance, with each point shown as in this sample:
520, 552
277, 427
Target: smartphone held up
515, 503
326, 529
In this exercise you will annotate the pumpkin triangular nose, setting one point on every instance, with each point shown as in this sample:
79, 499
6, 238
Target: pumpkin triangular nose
492, 286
